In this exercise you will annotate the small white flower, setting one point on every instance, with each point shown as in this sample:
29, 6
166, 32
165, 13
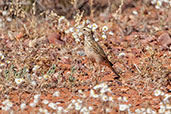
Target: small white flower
61, 19
40, 109
82, 24
9, 19
149, 110
78, 106
58, 103
74, 34
111, 33
122, 54
104, 90
86, 112
73, 101
153, 112
139, 111
89, 26
35, 101
7, 61
45, 101
18, 81
80, 91
167, 112
4, 13
135, 12
122, 99
32, 104
87, 21
79, 27
56, 94
2, 24
53, 106
71, 29
129, 111
108, 110
84, 109
105, 28
111, 99
46, 76
70, 106
157, 7
7, 103
35, 68
2, 64
77, 40
104, 36
80, 34
37, 96
157, 92
96, 39
159, 2
65, 111
102, 85
23, 106
44, 111
5, 108
92, 94
166, 98
77, 30
76, 37
60, 109
153, 1
33, 83
79, 101
0, 20
94, 26
1, 56
162, 93
161, 110
90, 108
168, 106
125, 99
104, 98
67, 31
123, 107
95, 96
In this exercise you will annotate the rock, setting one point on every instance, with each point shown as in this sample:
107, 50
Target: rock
164, 39
81, 53
55, 38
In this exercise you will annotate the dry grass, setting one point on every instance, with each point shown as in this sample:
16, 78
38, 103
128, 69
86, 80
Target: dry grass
41, 53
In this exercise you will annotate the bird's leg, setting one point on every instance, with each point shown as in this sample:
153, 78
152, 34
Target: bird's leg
99, 72
93, 72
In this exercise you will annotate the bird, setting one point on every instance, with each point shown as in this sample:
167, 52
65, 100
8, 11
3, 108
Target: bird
94, 51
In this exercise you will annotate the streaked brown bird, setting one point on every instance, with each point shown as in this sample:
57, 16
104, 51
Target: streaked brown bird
93, 50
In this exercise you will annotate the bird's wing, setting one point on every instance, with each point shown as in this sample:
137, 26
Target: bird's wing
98, 49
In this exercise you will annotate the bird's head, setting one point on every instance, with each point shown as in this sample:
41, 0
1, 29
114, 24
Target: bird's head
87, 32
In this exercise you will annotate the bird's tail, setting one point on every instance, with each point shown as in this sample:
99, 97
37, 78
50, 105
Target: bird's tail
114, 71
